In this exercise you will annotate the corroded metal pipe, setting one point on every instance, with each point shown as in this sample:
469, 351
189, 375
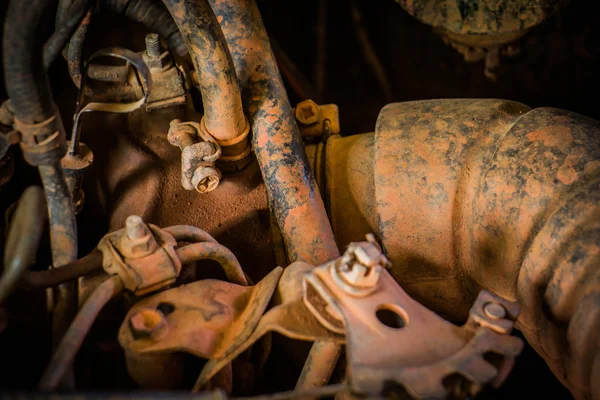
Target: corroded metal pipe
291, 187
187, 233
485, 194
223, 114
68, 272
216, 252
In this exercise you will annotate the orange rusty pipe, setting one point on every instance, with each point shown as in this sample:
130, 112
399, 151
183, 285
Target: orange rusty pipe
216, 252
188, 233
485, 194
223, 114
291, 187
68, 272
73, 339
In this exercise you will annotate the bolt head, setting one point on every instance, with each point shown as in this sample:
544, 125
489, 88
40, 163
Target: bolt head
360, 276
494, 311
307, 112
206, 179
148, 323
137, 240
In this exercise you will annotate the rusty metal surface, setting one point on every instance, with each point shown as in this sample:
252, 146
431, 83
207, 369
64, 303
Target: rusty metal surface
276, 140
289, 317
293, 194
199, 152
73, 339
53, 277
422, 350
204, 318
473, 194
142, 256
477, 17
317, 120
221, 98
216, 252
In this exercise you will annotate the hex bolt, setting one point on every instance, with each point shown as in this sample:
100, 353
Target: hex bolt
307, 112
148, 323
153, 48
135, 227
206, 179
494, 311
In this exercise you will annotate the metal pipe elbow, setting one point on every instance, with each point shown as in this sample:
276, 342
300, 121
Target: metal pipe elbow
485, 194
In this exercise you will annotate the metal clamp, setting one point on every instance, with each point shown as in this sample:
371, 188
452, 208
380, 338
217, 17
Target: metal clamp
199, 152
392, 338
42, 143
142, 255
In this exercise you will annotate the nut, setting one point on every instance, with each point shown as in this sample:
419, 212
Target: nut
148, 323
206, 179
307, 112
360, 276
162, 62
137, 240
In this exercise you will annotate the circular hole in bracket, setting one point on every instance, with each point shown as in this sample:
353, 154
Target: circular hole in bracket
391, 316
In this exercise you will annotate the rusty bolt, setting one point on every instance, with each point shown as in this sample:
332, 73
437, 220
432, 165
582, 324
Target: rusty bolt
148, 323
360, 276
136, 229
181, 135
137, 241
153, 48
307, 112
206, 179
494, 311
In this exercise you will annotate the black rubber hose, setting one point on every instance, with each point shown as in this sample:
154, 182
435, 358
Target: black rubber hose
66, 22
27, 84
154, 16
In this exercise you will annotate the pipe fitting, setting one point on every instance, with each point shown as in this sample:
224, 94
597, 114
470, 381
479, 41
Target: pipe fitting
234, 150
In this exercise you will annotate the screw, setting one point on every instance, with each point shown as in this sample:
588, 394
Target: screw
181, 135
135, 227
494, 311
148, 323
206, 179
153, 48
307, 112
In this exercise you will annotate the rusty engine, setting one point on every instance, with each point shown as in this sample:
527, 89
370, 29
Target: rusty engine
173, 227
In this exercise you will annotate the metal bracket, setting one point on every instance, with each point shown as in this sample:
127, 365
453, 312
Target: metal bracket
391, 338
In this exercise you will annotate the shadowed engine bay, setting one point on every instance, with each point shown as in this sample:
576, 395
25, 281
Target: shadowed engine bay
175, 227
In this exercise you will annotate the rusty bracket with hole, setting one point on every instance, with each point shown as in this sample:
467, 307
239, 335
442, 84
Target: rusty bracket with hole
356, 295
142, 255
203, 318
